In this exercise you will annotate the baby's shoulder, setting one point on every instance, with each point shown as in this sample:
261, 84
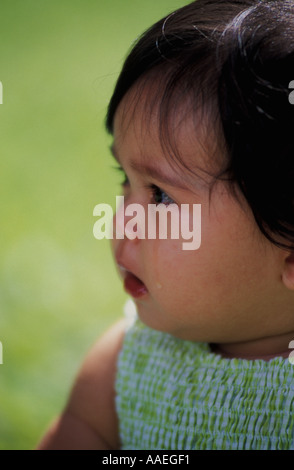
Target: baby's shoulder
93, 394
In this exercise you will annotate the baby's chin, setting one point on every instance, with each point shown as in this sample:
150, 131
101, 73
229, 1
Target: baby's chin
152, 317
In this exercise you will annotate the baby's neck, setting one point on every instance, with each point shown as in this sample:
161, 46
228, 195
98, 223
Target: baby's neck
260, 348
218, 349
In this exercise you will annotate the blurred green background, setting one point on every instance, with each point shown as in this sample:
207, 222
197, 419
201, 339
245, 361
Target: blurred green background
58, 286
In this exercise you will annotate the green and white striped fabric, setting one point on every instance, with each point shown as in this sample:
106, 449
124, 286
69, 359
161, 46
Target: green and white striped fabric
178, 395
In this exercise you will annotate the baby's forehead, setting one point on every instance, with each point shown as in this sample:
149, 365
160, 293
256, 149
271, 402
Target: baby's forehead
186, 136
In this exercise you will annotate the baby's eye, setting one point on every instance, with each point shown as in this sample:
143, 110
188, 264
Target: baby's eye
160, 197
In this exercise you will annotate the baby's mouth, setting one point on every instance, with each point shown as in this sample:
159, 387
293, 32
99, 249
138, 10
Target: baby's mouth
132, 284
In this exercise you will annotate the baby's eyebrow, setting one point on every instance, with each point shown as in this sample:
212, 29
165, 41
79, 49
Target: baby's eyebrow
153, 172
157, 174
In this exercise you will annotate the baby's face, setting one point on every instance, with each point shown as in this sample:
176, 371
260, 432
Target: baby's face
228, 290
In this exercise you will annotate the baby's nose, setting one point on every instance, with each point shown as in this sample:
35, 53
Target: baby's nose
129, 221
118, 221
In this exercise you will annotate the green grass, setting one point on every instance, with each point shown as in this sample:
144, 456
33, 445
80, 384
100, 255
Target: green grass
58, 286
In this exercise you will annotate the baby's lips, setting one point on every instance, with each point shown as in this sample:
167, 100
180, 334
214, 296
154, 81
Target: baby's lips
134, 286
123, 269
127, 272
132, 283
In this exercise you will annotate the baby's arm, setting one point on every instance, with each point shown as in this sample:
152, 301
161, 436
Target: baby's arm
89, 420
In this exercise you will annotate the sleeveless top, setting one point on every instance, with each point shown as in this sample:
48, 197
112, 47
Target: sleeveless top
173, 394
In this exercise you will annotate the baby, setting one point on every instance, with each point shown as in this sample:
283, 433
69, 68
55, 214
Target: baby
200, 115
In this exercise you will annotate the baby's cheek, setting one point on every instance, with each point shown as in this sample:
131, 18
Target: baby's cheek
153, 260
165, 258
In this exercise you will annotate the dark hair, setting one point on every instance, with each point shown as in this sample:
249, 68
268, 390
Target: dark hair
235, 58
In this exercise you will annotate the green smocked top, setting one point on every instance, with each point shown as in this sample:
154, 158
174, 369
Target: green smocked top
178, 395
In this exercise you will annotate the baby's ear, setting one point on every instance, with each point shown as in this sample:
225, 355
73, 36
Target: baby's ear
288, 271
